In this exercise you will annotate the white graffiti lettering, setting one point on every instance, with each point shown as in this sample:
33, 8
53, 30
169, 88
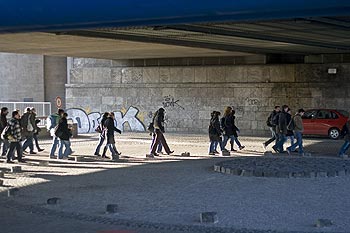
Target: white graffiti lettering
87, 123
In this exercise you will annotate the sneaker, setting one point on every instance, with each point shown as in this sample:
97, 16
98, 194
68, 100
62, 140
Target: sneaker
97, 154
32, 153
233, 150
21, 161
216, 152
159, 152
9, 161
40, 150
212, 153
241, 147
288, 151
170, 152
150, 156
156, 154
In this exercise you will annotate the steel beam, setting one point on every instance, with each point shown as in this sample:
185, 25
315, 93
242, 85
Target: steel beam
258, 36
43, 15
178, 42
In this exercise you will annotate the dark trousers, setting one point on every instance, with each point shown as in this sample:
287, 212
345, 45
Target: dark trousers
35, 137
273, 138
160, 139
13, 146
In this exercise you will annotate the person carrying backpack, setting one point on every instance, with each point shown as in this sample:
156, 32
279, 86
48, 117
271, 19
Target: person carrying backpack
63, 133
110, 127
346, 133
102, 130
298, 132
15, 138
52, 123
281, 129
272, 126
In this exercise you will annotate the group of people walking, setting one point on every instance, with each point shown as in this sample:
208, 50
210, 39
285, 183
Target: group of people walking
18, 133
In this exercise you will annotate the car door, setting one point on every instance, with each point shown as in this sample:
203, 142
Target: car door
309, 121
324, 122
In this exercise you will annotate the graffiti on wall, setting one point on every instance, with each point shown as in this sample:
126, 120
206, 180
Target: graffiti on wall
87, 122
170, 102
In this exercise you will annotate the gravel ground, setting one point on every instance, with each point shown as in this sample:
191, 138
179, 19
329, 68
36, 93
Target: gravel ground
172, 190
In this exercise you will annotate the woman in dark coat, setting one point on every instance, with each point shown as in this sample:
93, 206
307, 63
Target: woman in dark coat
215, 133
235, 133
101, 130
110, 128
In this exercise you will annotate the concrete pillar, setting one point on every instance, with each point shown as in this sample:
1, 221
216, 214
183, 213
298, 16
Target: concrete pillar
55, 78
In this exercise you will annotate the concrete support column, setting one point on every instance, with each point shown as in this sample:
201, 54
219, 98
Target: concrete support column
55, 78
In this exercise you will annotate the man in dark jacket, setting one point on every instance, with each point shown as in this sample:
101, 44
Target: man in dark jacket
102, 131
272, 126
63, 133
346, 133
281, 130
3, 124
28, 129
158, 124
110, 128
16, 137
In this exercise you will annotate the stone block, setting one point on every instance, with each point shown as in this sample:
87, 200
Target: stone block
321, 174
1, 182
112, 208
2, 174
78, 158
200, 75
12, 192
228, 171
323, 223
44, 163
341, 173
225, 153
209, 217
53, 201
217, 168
223, 170
236, 172
258, 173
269, 174
331, 173
16, 169
283, 174
248, 173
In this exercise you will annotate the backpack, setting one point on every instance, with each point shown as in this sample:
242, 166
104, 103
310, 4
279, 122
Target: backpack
291, 124
150, 127
269, 120
51, 121
6, 133
275, 119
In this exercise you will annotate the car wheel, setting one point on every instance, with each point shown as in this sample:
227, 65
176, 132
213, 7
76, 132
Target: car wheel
334, 133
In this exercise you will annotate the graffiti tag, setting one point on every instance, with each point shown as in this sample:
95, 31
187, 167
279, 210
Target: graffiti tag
170, 101
87, 123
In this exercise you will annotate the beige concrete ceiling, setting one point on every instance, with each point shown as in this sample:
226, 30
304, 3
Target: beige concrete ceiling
78, 46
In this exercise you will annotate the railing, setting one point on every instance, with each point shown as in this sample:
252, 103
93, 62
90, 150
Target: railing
43, 109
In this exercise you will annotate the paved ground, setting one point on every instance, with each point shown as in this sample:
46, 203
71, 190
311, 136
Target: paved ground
168, 193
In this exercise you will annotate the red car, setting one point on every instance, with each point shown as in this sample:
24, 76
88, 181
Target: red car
324, 122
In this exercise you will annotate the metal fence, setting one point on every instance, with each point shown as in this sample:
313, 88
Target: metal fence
43, 109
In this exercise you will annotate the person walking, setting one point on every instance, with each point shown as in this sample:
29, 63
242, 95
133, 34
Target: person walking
35, 135
110, 128
298, 131
290, 133
153, 134
158, 124
3, 123
281, 129
346, 133
63, 133
102, 130
52, 122
272, 126
15, 138
235, 133
229, 128
28, 127
215, 133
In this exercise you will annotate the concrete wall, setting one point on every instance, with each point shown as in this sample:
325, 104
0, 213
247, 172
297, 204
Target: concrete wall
55, 76
21, 77
190, 93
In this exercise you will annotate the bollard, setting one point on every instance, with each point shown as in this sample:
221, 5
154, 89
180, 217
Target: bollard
78, 158
112, 208
208, 217
53, 201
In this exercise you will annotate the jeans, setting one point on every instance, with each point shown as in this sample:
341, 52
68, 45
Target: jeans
112, 149
5, 146
29, 143
281, 139
344, 148
237, 142
55, 142
67, 151
273, 137
291, 137
233, 138
101, 140
10, 153
213, 145
299, 143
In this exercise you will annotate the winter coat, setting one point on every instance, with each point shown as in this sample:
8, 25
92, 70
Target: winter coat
228, 125
282, 123
110, 128
214, 129
346, 131
289, 118
3, 123
15, 130
26, 119
65, 132
158, 122
298, 122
